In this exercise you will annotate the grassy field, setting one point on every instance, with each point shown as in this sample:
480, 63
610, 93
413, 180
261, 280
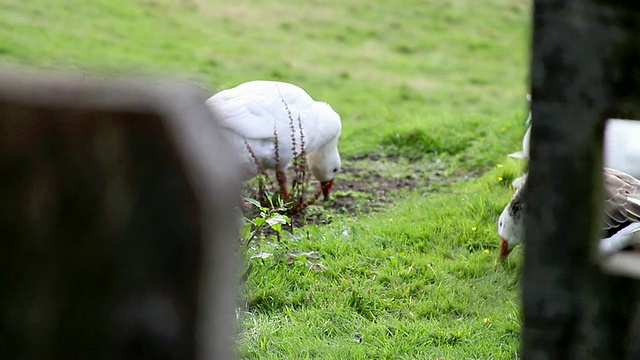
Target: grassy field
442, 83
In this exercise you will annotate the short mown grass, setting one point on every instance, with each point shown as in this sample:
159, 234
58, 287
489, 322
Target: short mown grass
440, 84
394, 284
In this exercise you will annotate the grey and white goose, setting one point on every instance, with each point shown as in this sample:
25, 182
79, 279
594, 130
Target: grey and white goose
621, 215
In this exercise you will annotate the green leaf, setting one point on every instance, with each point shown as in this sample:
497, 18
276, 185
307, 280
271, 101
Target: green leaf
252, 202
245, 231
277, 219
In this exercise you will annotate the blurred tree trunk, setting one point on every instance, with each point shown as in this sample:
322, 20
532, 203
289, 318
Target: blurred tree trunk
583, 71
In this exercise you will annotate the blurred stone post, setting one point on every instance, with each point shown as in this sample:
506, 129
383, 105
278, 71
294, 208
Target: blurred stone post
117, 226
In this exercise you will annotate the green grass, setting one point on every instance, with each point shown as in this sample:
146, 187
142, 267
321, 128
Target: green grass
395, 284
439, 82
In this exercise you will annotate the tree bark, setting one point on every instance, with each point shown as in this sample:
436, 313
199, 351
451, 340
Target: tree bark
572, 310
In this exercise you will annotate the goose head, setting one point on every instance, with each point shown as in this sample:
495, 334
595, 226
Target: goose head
324, 160
510, 224
325, 164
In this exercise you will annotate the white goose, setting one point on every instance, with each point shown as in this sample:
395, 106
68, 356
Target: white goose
621, 214
253, 114
621, 146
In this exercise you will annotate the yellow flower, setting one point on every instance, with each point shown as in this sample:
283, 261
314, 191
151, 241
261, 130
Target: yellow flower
474, 228
499, 178
499, 166
486, 251
486, 320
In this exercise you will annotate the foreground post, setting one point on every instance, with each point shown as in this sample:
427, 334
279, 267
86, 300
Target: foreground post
116, 222
572, 309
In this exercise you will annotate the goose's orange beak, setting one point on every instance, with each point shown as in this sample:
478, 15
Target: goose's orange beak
326, 188
504, 249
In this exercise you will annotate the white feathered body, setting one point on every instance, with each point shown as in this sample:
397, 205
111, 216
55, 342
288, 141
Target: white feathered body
621, 148
256, 112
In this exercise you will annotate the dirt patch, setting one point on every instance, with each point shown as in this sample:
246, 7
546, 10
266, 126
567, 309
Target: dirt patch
369, 183
360, 189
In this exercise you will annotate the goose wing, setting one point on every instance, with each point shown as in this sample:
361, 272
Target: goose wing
621, 198
254, 109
